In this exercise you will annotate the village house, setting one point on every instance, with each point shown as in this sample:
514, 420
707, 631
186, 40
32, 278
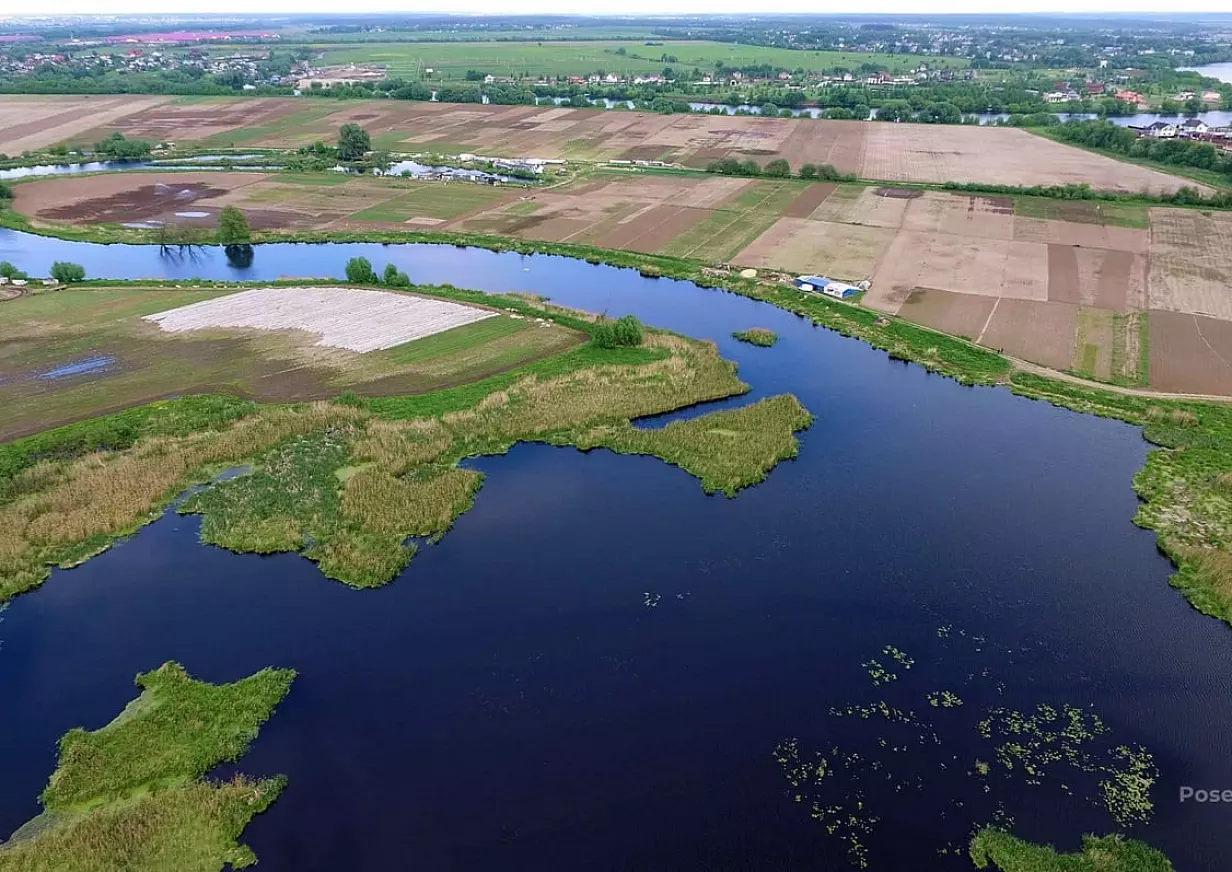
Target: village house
1193, 127
1158, 130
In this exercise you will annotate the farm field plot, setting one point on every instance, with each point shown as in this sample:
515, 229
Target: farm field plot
1191, 262
1039, 331
891, 152
71, 354
348, 318
1190, 353
848, 251
175, 198
30, 122
945, 153
579, 57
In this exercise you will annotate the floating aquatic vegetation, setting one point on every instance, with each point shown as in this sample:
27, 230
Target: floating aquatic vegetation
1061, 746
944, 699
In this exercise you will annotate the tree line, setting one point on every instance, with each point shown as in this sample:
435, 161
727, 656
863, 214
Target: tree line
1106, 136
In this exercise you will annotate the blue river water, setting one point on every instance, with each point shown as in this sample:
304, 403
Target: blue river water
593, 669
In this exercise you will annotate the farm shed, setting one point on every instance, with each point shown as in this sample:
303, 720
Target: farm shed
829, 287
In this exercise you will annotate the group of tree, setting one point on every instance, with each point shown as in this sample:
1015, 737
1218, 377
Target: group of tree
624, 332
359, 271
119, 147
62, 271
6, 191
1107, 136
776, 169
66, 272
8, 271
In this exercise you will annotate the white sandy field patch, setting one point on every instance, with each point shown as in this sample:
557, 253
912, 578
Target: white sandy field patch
350, 318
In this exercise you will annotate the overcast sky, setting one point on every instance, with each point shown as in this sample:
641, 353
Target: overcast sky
625, 7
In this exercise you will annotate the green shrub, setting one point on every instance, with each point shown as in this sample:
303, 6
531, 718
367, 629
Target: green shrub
359, 271
64, 272
624, 332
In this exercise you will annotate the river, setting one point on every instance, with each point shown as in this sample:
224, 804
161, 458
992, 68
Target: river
593, 668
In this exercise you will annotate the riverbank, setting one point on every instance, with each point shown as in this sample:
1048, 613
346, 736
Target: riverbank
1182, 486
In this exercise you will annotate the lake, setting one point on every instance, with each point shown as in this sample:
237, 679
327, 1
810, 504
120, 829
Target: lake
1222, 72
593, 669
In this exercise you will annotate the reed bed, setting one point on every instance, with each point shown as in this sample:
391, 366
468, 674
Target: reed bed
997, 849
758, 336
85, 503
348, 483
727, 450
191, 828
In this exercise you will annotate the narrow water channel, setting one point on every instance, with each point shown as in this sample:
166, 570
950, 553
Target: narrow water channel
593, 669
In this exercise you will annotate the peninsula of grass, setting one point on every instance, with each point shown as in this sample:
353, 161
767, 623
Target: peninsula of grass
174, 732
131, 795
759, 336
727, 450
996, 849
349, 482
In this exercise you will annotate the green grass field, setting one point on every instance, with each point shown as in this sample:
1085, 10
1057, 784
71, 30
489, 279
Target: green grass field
137, 363
433, 200
451, 60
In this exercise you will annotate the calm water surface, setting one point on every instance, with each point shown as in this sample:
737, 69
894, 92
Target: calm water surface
593, 668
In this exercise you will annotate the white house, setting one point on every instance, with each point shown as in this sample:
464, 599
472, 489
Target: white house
1160, 130
1193, 127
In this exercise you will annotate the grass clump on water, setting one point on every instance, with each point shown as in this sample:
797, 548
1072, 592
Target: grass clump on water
130, 795
727, 450
758, 336
997, 849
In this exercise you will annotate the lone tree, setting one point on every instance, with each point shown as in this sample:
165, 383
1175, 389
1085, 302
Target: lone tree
64, 272
233, 226
359, 271
353, 142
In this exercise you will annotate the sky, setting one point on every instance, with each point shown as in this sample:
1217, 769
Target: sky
625, 7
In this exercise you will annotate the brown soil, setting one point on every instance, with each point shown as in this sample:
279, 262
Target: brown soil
959, 314
1036, 331
1190, 353
1113, 283
138, 204
808, 200
653, 230
1063, 274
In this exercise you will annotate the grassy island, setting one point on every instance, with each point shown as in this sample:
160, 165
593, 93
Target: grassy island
996, 849
759, 336
131, 794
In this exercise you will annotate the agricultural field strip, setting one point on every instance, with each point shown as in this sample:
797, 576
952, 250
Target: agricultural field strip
348, 318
